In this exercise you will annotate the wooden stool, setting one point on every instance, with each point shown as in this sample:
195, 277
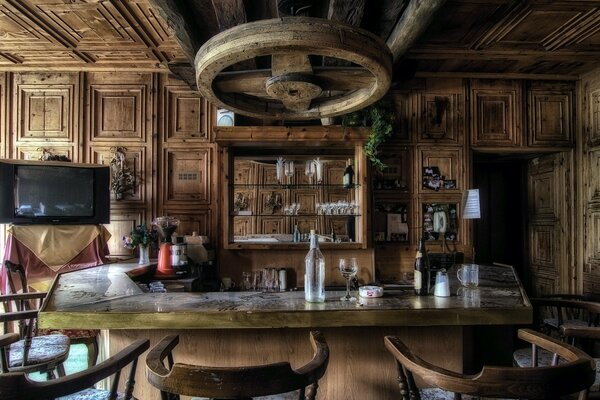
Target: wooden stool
234, 382
574, 375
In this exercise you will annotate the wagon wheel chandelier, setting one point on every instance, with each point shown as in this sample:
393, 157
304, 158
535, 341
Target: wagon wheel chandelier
293, 88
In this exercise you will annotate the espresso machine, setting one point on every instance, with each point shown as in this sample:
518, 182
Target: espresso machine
166, 226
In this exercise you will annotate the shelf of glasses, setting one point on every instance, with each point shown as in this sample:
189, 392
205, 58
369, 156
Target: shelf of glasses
243, 214
292, 186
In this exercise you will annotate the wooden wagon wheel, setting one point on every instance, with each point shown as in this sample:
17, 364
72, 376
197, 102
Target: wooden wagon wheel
292, 88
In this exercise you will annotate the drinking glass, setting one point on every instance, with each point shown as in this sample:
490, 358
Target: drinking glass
348, 268
289, 169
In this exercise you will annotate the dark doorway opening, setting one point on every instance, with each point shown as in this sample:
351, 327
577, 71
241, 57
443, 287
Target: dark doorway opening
500, 235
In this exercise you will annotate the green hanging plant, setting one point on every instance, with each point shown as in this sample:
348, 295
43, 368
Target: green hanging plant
380, 117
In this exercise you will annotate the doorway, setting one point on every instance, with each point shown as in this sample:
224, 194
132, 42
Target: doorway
500, 235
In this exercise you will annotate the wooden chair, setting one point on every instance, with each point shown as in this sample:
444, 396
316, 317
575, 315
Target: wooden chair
234, 382
31, 353
16, 386
88, 337
575, 374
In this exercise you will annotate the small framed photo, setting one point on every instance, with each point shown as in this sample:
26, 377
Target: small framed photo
380, 236
450, 184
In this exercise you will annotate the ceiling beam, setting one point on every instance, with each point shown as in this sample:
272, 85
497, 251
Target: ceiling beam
416, 18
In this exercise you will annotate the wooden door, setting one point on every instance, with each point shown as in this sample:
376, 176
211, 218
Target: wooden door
550, 205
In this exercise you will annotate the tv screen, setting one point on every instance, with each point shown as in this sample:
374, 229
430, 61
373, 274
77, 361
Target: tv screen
34, 192
48, 191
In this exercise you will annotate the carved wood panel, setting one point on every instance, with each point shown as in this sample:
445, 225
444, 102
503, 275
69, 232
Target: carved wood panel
334, 172
402, 121
542, 189
441, 117
122, 223
496, 113
136, 159
592, 229
35, 152
272, 225
307, 199
397, 175
197, 220
267, 175
593, 126
188, 117
449, 161
243, 226
306, 224
187, 176
45, 107
590, 174
543, 247
550, 110
271, 202
244, 172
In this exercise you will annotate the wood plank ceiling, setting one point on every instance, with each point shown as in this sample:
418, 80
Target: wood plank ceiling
537, 37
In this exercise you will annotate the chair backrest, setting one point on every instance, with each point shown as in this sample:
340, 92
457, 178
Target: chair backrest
17, 386
17, 279
574, 374
554, 311
235, 382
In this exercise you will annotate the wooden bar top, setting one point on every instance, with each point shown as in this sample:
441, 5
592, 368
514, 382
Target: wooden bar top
106, 297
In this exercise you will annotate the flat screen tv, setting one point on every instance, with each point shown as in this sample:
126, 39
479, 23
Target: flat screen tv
54, 192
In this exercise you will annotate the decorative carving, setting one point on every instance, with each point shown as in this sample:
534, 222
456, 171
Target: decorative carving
273, 203
48, 156
122, 179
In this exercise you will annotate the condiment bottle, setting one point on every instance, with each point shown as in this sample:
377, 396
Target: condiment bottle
314, 272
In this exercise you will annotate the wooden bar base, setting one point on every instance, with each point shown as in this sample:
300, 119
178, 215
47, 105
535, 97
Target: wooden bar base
359, 366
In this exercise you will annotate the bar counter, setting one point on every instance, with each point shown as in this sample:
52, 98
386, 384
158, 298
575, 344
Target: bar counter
242, 328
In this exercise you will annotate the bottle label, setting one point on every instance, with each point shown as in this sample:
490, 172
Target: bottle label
418, 280
419, 255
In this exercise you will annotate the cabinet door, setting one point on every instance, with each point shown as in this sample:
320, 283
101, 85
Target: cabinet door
496, 113
447, 166
550, 109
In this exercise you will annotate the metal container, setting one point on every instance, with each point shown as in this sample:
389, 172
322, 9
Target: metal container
179, 254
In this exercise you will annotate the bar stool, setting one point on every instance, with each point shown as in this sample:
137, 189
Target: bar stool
575, 374
234, 382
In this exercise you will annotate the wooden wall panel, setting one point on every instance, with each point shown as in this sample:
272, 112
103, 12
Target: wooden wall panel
496, 113
188, 117
441, 105
187, 176
121, 223
34, 152
197, 220
449, 160
550, 114
593, 121
137, 160
46, 110
119, 107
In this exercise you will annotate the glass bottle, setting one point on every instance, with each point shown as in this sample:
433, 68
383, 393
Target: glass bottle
348, 179
314, 273
421, 270
296, 234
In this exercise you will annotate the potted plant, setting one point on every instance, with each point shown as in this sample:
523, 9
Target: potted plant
380, 117
143, 237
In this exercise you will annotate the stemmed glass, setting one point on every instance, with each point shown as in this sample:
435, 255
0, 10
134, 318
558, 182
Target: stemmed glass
348, 268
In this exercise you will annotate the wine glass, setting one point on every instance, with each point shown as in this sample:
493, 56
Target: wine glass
348, 268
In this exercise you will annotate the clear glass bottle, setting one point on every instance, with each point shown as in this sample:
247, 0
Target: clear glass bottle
421, 270
296, 234
314, 272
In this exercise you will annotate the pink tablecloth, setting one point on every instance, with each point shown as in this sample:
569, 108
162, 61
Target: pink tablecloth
37, 271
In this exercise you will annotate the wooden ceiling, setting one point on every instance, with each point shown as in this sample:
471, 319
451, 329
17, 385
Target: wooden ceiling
540, 38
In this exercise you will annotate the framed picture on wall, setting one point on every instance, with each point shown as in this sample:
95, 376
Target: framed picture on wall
440, 221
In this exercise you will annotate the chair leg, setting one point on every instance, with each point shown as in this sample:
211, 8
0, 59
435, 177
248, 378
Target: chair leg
92, 351
60, 368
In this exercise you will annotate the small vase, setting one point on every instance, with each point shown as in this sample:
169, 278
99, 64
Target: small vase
144, 255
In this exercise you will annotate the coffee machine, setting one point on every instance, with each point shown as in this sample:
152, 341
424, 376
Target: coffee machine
166, 226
